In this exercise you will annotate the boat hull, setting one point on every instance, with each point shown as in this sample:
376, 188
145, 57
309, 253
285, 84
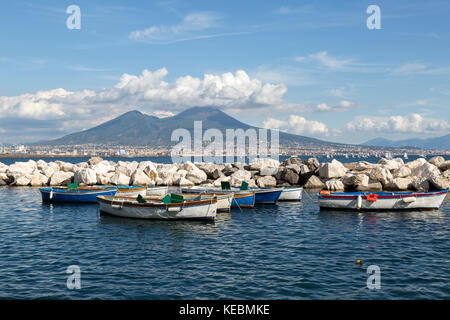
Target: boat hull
74, 196
241, 199
267, 196
157, 191
223, 200
291, 194
128, 191
125, 208
384, 201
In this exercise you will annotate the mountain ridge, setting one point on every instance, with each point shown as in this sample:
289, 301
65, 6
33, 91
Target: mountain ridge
135, 128
434, 143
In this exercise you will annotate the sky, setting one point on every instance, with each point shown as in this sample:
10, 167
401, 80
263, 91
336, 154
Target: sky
312, 68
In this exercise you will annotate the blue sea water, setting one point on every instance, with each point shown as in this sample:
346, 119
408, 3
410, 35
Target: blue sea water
284, 251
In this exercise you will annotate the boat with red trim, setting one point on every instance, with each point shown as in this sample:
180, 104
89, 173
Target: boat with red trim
382, 200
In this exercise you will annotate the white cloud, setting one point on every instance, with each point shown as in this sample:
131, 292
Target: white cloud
193, 26
148, 92
162, 114
298, 125
342, 106
326, 60
417, 68
412, 123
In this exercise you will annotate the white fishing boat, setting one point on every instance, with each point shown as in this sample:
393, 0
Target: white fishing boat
382, 200
291, 194
159, 191
127, 207
405, 156
224, 200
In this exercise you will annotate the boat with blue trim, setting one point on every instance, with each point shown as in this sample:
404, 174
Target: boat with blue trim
382, 200
75, 195
241, 199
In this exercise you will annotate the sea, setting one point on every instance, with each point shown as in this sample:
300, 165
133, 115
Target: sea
284, 251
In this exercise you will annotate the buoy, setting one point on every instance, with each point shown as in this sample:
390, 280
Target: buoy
359, 261
359, 202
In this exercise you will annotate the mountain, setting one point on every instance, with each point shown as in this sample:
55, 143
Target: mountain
437, 143
136, 128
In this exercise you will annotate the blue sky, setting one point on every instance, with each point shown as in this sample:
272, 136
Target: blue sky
306, 67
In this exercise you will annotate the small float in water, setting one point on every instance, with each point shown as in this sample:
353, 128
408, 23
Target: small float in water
382, 200
171, 207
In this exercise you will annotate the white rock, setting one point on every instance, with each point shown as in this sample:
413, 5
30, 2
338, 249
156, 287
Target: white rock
436, 160
218, 182
240, 176
357, 180
313, 183
103, 179
393, 164
402, 172
381, 174
420, 184
197, 176
266, 181
140, 178
333, 169
425, 171
61, 178
85, 176
399, 184
184, 182
334, 185
22, 181
444, 166
439, 182
39, 180
120, 179
416, 163
265, 162
270, 171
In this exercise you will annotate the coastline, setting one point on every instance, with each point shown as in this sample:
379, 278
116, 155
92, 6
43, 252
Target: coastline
385, 175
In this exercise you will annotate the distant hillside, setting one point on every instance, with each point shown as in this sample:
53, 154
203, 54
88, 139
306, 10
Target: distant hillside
438, 143
136, 128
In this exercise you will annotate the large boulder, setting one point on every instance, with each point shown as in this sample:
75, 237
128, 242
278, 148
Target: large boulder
183, 182
334, 185
399, 184
218, 181
259, 163
61, 178
65, 166
19, 169
103, 168
139, 178
291, 176
22, 181
196, 176
291, 161
313, 164
416, 163
266, 181
333, 169
240, 176
402, 172
120, 179
420, 184
85, 176
436, 160
104, 179
268, 171
356, 180
425, 171
94, 160
392, 164
438, 182
313, 183
38, 179
380, 174
444, 166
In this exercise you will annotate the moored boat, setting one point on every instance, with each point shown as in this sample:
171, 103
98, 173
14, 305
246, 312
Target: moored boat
128, 191
224, 200
75, 195
128, 207
267, 195
382, 200
291, 194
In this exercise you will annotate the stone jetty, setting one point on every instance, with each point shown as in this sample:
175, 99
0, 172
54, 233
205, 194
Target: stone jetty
389, 175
